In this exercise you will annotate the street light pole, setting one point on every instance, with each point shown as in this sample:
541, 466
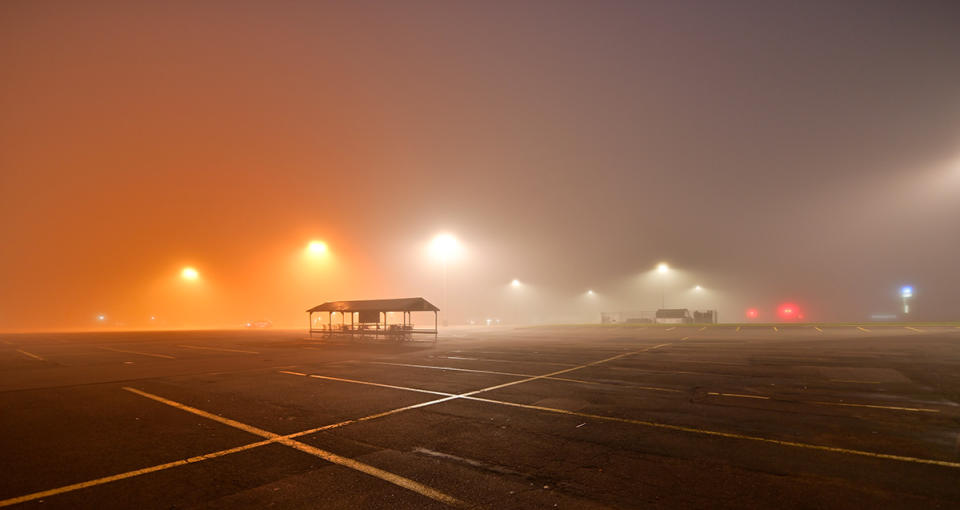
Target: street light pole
663, 268
906, 293
444, 305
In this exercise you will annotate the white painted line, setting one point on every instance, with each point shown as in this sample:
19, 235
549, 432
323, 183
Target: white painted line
737, 395
532, 362
512, 374
714, 433
914, 329
861, 328
218, 349
670, 329
30, 354
874, 406
729, 435
818, 329
137, 352
386, 476
820, 403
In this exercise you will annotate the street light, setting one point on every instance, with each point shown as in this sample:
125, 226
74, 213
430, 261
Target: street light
663, 269
698, 289
444, 247
515, 283
906, 292
316, 248
189, 273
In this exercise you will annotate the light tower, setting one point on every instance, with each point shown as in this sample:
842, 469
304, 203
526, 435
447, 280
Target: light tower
906, 292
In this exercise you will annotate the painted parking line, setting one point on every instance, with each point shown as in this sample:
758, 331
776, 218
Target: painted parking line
512, 374
30, 354
450, 396
155, 355
129, 474
737, 395
738, 329
818, 329
684, 338
729, 435
775, 329
693, 430
356, 465
823, 403
874, 406
463, 358
217, 349
914, 329
703, 328
670, 329
861, 328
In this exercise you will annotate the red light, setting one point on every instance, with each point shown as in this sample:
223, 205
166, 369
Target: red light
788, 312
752, 313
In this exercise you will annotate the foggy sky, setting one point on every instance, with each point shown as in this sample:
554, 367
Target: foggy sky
770, 151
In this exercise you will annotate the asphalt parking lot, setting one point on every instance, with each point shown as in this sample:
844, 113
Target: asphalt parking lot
545, 417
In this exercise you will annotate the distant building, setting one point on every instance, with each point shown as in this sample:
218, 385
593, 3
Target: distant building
705, 317
673, 316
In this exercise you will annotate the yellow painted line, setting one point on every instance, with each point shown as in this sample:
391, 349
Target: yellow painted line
386, 476
861, 328
818, 329
854, 381
218, 349
128, 474
199, 458
292, 373
872, 406
775, 328
738, 329
737, 395
703, 328
138, 352
684, 338
914, 329
32, 355
729, 435
564, 379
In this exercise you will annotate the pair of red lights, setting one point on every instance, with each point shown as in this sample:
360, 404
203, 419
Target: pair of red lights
785, 312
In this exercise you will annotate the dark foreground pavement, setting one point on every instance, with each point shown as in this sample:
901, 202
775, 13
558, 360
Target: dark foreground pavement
571, 417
